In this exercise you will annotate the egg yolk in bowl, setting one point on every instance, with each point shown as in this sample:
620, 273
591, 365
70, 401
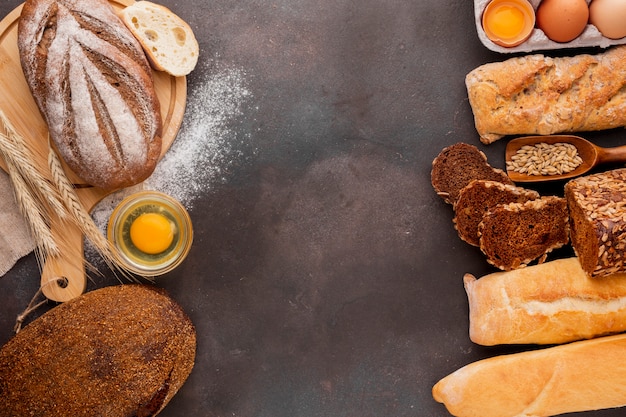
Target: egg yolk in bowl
151, 233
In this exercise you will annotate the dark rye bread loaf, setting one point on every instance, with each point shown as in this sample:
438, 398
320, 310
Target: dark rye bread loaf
457, 165
118, 351
513, 235
597, 205
93, 85
477, 198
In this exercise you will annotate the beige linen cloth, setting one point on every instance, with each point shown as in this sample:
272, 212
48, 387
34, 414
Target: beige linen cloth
15, 238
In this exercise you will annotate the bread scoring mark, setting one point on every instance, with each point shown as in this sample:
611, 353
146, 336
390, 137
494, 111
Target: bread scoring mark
102, 30
576, 305
105, 124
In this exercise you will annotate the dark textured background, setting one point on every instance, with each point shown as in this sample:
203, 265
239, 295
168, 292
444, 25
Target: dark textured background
326, 276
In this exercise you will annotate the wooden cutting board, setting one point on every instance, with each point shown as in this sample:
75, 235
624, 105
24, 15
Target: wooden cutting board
19, 106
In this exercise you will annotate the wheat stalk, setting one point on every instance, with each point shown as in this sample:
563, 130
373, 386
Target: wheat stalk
33, 211
79, 214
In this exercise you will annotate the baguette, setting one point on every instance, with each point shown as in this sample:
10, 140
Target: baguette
580, 376
117, 351
168, 41
93, 86
540, 95
554, 302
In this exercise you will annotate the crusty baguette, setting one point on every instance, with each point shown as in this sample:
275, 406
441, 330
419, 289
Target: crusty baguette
117, 351
554, 302
167, 40
580, 376
536, 94
93, 85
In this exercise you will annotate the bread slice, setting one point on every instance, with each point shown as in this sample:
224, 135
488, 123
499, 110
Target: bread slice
597, 205
555, 302
477, 198
117, 351
512, 235
457, 165
580, 376
168, 41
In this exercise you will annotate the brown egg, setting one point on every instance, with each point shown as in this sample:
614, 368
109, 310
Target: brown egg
562, 20
609, 16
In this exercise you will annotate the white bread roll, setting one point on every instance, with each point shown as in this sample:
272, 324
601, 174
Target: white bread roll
580, 376
168, 41
554, 302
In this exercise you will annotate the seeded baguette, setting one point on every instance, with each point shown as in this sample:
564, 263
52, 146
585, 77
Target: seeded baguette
536, 94
597, 205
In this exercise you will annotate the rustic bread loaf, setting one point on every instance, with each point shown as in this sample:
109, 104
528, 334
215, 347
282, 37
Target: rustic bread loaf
597, 205
477, 198
555, 302
457, 165
93, 85
513, 235
168, 41
117, 351
536, 94
579, 376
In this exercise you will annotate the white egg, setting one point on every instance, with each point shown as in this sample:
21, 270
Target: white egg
609, 16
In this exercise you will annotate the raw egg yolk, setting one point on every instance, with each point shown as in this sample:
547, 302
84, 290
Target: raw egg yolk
506, 22
151, 233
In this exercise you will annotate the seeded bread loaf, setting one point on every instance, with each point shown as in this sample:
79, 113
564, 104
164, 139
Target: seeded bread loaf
554, 302
457, 165
93, 85
515, 234
117, 351
597, 205
477, 198
579, 376
536, 94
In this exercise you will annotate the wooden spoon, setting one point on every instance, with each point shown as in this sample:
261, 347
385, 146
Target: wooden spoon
591, 154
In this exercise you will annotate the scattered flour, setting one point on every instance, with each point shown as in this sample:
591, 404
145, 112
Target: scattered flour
201, 152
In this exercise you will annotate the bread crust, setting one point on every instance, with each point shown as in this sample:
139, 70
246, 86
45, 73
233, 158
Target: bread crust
93, 86
580, 376
540, 95
554, 302
117, 351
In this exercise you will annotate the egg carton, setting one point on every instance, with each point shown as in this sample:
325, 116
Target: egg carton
538, 41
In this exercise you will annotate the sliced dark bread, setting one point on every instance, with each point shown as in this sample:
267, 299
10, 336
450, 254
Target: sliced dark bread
477, 198
513, 235
457, 165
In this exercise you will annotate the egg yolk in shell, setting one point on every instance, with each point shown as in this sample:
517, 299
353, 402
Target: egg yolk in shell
151, 233
506, 21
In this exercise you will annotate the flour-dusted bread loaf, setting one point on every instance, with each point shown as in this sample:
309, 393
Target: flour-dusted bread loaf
477, 198
540, 95
167, 40
554, 302
513, 235
93, 85
457, 165
117, 351
597, 205
579, 376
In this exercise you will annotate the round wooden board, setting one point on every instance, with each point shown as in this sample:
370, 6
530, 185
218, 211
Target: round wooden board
18, 105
